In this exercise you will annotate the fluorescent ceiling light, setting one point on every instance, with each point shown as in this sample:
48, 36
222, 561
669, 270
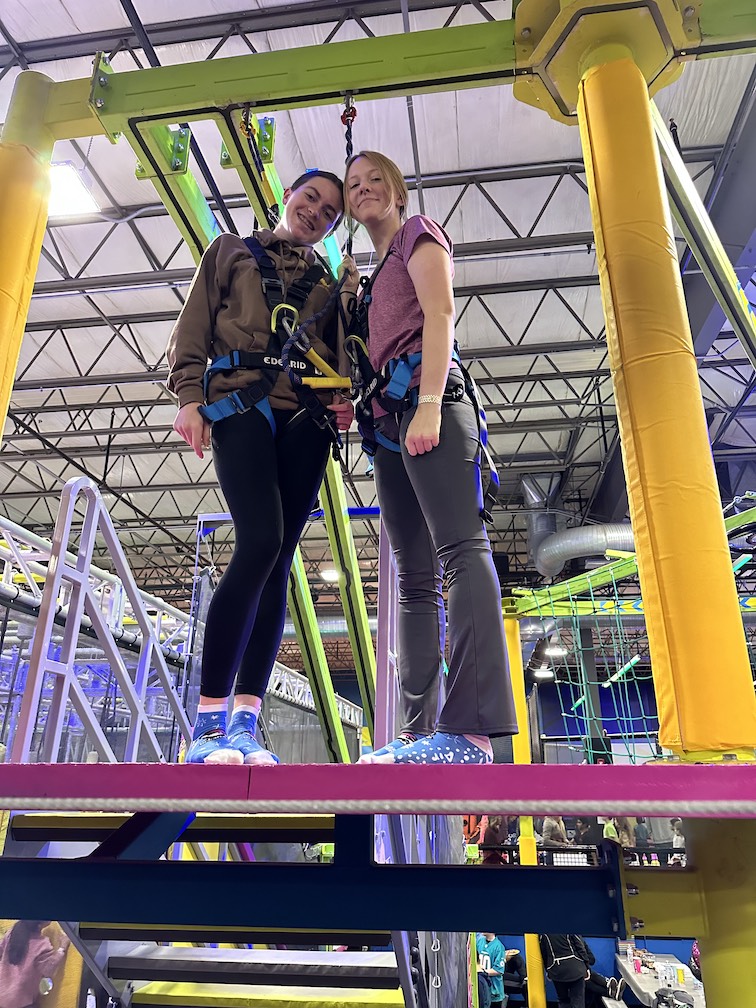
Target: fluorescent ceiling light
69, 195
555, 651
544, 672
329, 574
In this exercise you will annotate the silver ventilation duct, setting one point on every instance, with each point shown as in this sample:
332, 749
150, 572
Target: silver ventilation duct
589, 540
539, 491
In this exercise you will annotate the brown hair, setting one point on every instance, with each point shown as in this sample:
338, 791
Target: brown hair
311, 173
391, 174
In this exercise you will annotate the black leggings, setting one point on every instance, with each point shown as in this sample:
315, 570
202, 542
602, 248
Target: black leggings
270, 485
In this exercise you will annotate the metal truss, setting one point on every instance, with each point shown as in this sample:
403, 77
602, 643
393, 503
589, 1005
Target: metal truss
287, 684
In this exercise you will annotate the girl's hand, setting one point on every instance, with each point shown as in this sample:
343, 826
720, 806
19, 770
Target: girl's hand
424, 429
344, 411
193, 428
352, 282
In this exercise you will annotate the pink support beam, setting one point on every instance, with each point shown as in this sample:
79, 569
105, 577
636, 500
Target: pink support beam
705, 791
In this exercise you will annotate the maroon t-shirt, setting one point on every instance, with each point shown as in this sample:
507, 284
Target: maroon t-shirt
395, 318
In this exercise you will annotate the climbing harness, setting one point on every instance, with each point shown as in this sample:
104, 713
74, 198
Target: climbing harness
391, 389
284, 319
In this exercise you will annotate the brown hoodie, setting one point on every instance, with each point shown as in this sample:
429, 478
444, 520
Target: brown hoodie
226, 310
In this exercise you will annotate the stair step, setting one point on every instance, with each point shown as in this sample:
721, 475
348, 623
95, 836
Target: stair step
185, 995
257, 966
95, 931
208, 827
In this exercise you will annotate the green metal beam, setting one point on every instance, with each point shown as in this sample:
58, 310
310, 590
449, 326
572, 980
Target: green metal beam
726, 28
315, 663
694, 222
443, 59
334, 503
418, 62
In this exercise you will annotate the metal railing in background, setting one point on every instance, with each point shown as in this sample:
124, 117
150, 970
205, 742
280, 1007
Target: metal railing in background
87, 599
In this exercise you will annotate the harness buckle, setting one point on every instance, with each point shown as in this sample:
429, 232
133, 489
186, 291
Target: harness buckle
274, 285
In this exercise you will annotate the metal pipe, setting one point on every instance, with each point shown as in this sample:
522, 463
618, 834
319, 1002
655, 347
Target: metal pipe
589, 540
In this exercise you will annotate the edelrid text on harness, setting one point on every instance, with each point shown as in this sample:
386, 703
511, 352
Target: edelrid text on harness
390, 388
284, 318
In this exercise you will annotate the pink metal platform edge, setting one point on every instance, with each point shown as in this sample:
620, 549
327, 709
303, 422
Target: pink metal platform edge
707, 791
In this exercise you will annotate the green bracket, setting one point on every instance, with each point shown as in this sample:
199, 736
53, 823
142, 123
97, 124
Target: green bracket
305, 622
235, 153
267, 138
179, 191
171, 147
100, 92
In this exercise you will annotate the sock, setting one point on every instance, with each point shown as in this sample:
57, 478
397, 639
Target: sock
207, 719
249, 708
408, 736
243, 719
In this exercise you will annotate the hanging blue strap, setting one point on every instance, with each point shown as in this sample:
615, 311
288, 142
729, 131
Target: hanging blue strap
400, 371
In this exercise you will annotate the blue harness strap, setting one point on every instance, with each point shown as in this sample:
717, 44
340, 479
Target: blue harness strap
238, 402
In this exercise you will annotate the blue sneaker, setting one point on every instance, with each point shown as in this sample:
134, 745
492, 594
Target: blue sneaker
241, 735
213, 747
441, 747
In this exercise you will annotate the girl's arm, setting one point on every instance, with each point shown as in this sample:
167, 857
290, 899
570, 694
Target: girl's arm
429, 268
190, 346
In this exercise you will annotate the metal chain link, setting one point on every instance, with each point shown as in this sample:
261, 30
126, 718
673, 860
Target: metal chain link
347, 117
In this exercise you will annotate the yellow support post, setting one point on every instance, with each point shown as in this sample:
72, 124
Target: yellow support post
25, 152
522, 754
701, 669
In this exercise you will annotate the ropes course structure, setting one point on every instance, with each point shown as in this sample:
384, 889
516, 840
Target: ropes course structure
558, 62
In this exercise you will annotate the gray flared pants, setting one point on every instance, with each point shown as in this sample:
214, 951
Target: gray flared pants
430, 505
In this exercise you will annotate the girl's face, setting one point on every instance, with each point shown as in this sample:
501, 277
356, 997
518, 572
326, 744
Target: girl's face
311, 211
370, 196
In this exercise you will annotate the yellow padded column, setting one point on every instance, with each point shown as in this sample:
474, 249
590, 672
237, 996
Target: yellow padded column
698, 652
528, 853
25, 152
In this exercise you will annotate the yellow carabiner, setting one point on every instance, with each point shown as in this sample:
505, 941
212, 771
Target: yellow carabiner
284, 307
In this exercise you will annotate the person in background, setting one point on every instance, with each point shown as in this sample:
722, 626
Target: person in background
28, 958
694, 963
564, 962
492, 963
554, 833
495, 836
568, 962
624, 831
588, 833
610, 830
516, 974
678, 843
643, 840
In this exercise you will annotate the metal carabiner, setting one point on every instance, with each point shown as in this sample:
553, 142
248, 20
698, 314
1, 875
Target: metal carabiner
290, 324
